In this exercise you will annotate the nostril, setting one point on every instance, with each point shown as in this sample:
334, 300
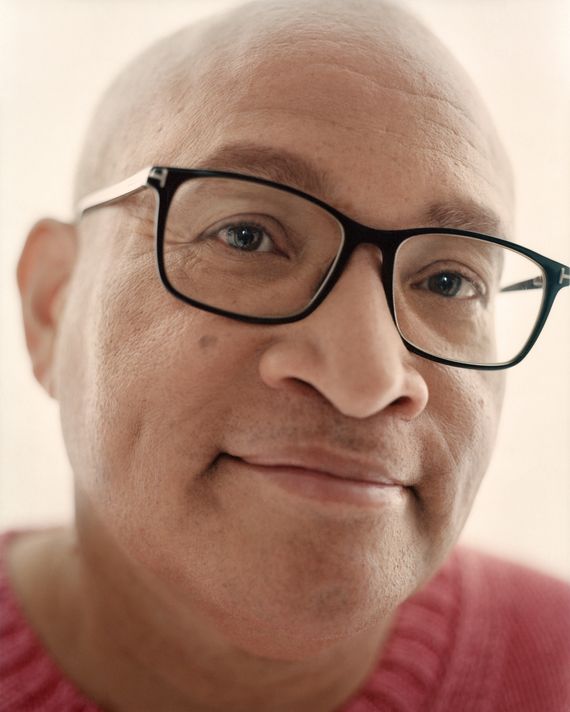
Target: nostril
402, 400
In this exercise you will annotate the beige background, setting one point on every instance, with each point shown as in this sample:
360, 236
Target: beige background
57, 56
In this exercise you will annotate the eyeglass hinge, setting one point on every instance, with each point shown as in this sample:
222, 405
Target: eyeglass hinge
564, 276
160, 175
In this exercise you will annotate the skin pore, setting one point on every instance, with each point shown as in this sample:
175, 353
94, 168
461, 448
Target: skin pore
189, 583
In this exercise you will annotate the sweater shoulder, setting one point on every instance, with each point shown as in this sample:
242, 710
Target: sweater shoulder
29, 678
484, 634
518, 618
527, 597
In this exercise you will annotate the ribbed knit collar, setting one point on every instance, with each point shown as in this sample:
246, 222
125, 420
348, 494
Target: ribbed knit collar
416, 654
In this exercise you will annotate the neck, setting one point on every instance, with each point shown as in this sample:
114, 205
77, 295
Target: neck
131, 648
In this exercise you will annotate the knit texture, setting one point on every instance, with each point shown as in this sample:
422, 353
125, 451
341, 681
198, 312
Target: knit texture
484, 635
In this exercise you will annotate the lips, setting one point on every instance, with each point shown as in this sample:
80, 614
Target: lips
335, 465
325, 478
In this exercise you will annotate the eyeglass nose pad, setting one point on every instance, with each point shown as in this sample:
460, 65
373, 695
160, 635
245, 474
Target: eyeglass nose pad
374, 263
385, 244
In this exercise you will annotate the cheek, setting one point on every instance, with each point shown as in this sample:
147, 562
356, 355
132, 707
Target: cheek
463, 412
146, 387
473, 421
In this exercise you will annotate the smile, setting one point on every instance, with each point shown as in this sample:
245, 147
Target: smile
327, 487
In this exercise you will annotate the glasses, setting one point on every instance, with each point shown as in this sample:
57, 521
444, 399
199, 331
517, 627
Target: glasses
260, 252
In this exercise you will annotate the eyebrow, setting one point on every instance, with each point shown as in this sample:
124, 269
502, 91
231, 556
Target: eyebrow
288, 168
463, 214
279, 166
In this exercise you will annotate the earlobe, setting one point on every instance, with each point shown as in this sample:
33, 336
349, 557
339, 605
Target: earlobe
45, 267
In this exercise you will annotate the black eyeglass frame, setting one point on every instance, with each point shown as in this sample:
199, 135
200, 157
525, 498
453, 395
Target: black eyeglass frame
165, 181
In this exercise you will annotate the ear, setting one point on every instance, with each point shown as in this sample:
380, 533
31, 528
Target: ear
44, 270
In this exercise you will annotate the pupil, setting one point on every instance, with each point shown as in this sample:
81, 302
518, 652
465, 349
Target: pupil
448, 285
244, 237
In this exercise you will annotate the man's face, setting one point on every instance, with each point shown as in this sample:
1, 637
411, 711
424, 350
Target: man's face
162, 404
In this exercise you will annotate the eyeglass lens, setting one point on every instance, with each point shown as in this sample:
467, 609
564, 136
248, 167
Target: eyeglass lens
258, 251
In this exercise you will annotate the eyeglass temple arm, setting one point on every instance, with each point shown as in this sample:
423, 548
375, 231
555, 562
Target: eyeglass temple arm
535, 283
115, 192
538, 282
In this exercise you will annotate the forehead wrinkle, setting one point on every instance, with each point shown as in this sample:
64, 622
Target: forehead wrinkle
384, 78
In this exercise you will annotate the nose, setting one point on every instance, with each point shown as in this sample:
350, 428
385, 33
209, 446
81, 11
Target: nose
349, 349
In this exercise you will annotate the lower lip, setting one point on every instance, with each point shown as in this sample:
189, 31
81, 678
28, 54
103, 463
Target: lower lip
328, 488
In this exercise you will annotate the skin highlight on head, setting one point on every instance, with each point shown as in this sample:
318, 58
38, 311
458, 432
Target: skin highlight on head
231, 580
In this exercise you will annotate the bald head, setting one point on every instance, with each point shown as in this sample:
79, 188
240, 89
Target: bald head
173, 100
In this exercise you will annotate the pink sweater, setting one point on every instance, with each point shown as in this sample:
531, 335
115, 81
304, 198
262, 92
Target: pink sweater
483, 635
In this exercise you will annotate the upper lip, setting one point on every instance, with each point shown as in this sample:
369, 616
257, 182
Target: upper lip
336, 464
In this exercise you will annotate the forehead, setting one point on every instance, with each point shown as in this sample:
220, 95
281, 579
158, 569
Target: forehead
370, 130
382, 116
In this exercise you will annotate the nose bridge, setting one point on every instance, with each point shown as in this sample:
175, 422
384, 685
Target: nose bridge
360, 299
384, 242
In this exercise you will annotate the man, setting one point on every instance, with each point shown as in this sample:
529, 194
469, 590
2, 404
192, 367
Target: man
277, 442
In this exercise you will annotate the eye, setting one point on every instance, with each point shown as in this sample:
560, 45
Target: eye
246, 237
450, 284
452, 281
